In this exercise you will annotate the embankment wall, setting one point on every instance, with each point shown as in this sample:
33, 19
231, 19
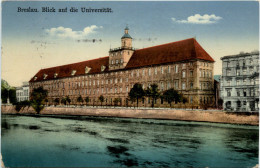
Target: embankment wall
172, 114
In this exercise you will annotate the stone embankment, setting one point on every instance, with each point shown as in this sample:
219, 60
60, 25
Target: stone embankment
216, 116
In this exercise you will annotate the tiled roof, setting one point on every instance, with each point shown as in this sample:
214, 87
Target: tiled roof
66, 70
171, 52
167, 53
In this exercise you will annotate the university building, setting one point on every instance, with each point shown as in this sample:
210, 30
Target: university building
240, 82
182, 65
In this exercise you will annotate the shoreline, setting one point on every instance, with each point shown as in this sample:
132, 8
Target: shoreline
210, 116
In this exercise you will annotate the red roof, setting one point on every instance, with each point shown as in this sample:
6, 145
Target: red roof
166, 53
65, 70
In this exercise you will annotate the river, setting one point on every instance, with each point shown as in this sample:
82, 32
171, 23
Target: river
29, 141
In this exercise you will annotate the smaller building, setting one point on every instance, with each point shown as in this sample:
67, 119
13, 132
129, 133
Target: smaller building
217, 91
22, 93
240, 82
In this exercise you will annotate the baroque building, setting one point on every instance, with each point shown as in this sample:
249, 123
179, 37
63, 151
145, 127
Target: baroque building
240, 82
182, 65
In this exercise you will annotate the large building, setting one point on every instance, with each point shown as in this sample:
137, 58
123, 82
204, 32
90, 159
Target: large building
240, 82
22, 93
182, 65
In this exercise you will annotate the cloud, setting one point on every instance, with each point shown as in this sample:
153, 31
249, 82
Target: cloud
63, 32
198, 19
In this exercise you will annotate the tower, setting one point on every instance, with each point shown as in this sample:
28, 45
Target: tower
119, 57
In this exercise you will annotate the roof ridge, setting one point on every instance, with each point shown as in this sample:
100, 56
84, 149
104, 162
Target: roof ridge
167, 43
74, 63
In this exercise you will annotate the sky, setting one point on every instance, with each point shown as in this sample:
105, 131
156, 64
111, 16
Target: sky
35, 40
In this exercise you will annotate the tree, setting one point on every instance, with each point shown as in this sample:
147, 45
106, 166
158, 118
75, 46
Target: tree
153, 93
136, 93
68, 99
38, 97
57, 101
46, 101
64, 101
87, 100
8, 91
116, 101
171, 95
80, 99
101, 99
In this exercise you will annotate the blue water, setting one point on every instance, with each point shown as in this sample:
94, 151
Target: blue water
114, 142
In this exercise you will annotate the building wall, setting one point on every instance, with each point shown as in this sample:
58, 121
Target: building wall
193, 78
240, 82
22, 93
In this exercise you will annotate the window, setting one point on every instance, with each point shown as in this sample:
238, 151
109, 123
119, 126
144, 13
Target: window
132, 73
143, 72
161, 70
176, 68
115, 90
176, 84
116, 61
137, 73
191, 99
244, 71
191, 85
121, 80
111, 81
169, 69
200, 86
238, 82
126, 89
168, 85
155, 71
162, 86
112, 62
200, 73
183, 74
149, 71
120, 90
228, 83
121, 61
126, 79
191, 73
203, 74
183, 86
183, 65
244, 81
228, 93
116, 80
228, 72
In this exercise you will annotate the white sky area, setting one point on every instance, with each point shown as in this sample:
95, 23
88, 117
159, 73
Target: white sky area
34, 41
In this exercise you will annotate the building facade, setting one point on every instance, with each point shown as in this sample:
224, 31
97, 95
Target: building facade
182, 65
240, 82
22, 93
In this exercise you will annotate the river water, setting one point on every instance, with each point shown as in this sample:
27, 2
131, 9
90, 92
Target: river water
115, 142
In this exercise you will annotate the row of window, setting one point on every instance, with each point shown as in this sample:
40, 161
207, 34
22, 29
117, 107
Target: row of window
205, 73
243, 92
244, 82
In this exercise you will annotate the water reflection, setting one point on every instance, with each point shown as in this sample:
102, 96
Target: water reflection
115, 142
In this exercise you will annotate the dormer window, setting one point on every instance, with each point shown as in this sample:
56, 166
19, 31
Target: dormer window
35, 78
103, 68
73, 72
45, 76
87, 69
55, 75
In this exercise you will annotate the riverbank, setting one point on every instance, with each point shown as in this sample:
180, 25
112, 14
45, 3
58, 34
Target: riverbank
215, 116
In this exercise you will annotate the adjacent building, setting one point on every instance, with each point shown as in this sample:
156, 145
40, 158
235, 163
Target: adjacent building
240, 82
22, 93
182, 65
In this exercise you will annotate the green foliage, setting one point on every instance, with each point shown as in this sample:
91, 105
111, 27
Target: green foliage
116, 101
80, 99
172, 95
136, 93
22, 105
68, 99
101, 99
57, 101
64, 101
153, 93
11, 92
87, 99
38, 97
